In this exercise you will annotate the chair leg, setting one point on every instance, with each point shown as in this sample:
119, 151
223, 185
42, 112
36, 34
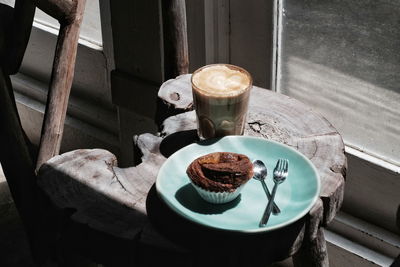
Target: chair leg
6, 82
19, 172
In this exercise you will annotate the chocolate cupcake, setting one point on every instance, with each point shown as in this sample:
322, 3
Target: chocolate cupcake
219, 177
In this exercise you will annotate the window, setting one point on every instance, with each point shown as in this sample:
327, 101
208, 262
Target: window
346, 56
342, 59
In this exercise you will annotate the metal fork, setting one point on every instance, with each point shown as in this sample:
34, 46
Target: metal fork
280, 173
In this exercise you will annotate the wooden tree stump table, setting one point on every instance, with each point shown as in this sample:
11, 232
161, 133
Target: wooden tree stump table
121, 203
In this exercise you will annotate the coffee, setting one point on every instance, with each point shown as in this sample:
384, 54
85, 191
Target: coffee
221, 96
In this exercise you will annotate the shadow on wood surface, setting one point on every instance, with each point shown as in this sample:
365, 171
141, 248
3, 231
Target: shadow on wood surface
222, 246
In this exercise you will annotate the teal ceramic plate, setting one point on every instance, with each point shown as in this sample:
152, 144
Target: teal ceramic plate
295, 196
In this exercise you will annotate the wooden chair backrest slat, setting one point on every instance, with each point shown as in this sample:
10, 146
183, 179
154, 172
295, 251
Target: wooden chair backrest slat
60, 85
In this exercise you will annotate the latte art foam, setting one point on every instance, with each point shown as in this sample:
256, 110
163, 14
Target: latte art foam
221, 80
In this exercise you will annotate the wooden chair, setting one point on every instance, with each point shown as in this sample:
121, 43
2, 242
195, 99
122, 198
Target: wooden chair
52, 236
17, 154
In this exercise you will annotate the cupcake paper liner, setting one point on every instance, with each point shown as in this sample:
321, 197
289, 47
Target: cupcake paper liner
218, 197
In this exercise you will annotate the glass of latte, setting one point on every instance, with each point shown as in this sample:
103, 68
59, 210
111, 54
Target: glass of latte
221, 97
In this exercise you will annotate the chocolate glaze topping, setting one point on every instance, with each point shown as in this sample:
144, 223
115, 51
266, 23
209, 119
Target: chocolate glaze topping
220, 171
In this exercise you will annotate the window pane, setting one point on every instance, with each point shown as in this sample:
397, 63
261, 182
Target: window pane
91, 25
342, 58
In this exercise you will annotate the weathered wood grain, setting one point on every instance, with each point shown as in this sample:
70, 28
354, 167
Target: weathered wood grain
174, 93
103, 196
60, 85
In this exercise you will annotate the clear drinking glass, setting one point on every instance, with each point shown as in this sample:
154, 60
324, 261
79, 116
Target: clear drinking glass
221, 95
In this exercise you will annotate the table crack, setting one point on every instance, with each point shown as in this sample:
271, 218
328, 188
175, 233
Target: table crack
115, 178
